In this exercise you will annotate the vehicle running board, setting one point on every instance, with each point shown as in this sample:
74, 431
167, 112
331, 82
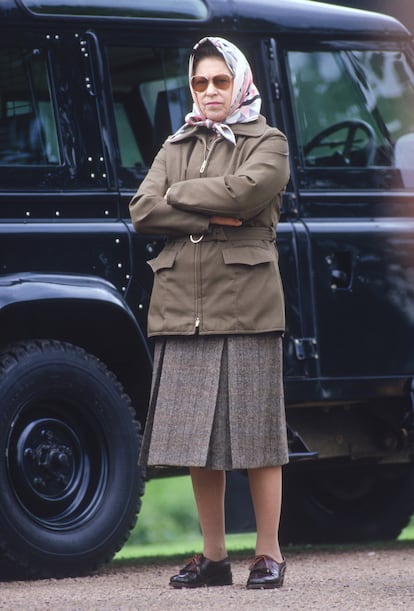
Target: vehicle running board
298, 449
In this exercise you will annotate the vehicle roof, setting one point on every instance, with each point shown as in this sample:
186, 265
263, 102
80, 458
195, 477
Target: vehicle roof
311, 17
303, 17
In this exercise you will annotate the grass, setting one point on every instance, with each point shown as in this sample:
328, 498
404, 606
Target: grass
168, 525
408, 532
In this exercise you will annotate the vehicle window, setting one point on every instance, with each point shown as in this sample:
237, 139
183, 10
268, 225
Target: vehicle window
27, 123
151, 99
353, 109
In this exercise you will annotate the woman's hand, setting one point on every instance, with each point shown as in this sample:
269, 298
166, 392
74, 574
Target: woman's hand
229, 221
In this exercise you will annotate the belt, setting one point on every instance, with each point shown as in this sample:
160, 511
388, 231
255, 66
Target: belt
222, 234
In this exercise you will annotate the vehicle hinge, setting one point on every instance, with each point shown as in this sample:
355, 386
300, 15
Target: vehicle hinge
290, 204
306, 348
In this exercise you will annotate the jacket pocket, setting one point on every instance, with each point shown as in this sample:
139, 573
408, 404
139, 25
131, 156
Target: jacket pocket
247, 255
165, 260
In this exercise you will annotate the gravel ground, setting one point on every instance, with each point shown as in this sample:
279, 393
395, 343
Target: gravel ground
379, 579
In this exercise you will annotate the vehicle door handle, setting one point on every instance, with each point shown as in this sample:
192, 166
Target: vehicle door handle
339, 279
340, 270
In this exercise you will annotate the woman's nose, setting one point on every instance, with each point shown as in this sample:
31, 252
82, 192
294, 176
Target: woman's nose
211, 88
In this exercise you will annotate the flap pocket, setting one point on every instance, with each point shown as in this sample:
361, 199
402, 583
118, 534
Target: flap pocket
247, 255
165, 260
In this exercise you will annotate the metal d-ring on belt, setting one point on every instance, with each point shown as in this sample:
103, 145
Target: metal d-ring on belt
196, 240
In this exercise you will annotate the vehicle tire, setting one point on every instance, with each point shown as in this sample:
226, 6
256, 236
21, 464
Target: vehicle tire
70, 485
347, 504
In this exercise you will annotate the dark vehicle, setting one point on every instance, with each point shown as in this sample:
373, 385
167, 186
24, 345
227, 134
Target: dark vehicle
88, 92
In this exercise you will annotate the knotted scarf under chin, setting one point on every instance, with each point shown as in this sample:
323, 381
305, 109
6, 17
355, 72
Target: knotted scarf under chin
192, 120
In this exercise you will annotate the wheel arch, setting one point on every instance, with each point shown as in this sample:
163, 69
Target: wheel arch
83, 310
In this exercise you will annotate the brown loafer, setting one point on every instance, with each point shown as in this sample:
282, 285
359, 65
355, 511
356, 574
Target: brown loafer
201, 571
265, 572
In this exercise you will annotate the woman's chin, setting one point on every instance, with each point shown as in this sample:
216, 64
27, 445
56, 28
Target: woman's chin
215, 115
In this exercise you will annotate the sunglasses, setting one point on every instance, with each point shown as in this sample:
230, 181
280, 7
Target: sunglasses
220, 81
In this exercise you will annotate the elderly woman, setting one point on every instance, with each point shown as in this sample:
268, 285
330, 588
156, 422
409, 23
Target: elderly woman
217, 309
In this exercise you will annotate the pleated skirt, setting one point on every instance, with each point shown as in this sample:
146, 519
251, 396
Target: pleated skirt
217, 402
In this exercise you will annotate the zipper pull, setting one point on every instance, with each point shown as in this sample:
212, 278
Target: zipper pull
203, 166
197, 322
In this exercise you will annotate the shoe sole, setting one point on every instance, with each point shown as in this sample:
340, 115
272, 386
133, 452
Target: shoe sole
205, 584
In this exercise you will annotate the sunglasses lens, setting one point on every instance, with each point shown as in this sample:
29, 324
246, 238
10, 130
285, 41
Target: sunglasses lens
221, 81
199, 83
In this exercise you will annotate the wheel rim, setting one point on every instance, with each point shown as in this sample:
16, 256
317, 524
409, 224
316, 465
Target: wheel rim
57, 464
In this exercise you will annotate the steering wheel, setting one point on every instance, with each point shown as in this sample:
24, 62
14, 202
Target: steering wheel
352, 127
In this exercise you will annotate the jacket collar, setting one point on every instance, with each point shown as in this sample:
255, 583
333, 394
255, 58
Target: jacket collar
255, 129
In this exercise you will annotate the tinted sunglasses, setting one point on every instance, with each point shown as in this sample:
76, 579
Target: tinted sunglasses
220, 81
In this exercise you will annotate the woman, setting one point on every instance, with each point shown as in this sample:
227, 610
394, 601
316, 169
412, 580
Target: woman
217, 310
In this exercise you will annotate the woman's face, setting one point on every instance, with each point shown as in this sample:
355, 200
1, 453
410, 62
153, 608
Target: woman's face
215, 101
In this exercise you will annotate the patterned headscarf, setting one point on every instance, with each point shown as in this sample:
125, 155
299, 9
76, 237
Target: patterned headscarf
246, 102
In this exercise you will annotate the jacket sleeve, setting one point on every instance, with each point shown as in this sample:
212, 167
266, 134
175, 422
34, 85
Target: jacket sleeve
262, 175
150, 213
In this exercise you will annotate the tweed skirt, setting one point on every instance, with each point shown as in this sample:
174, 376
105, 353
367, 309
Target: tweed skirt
216, 402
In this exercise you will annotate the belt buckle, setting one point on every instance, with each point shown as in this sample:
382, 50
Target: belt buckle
194, 240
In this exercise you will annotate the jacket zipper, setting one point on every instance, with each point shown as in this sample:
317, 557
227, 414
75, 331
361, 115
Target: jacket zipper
206, 155
196, 288
196, 245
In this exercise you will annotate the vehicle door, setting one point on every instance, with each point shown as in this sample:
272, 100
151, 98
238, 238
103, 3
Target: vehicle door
352, 141
58, 207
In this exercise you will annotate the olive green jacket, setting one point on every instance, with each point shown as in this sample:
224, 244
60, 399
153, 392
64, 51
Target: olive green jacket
209, 279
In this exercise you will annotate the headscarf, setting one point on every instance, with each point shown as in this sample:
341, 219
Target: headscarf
246, 101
